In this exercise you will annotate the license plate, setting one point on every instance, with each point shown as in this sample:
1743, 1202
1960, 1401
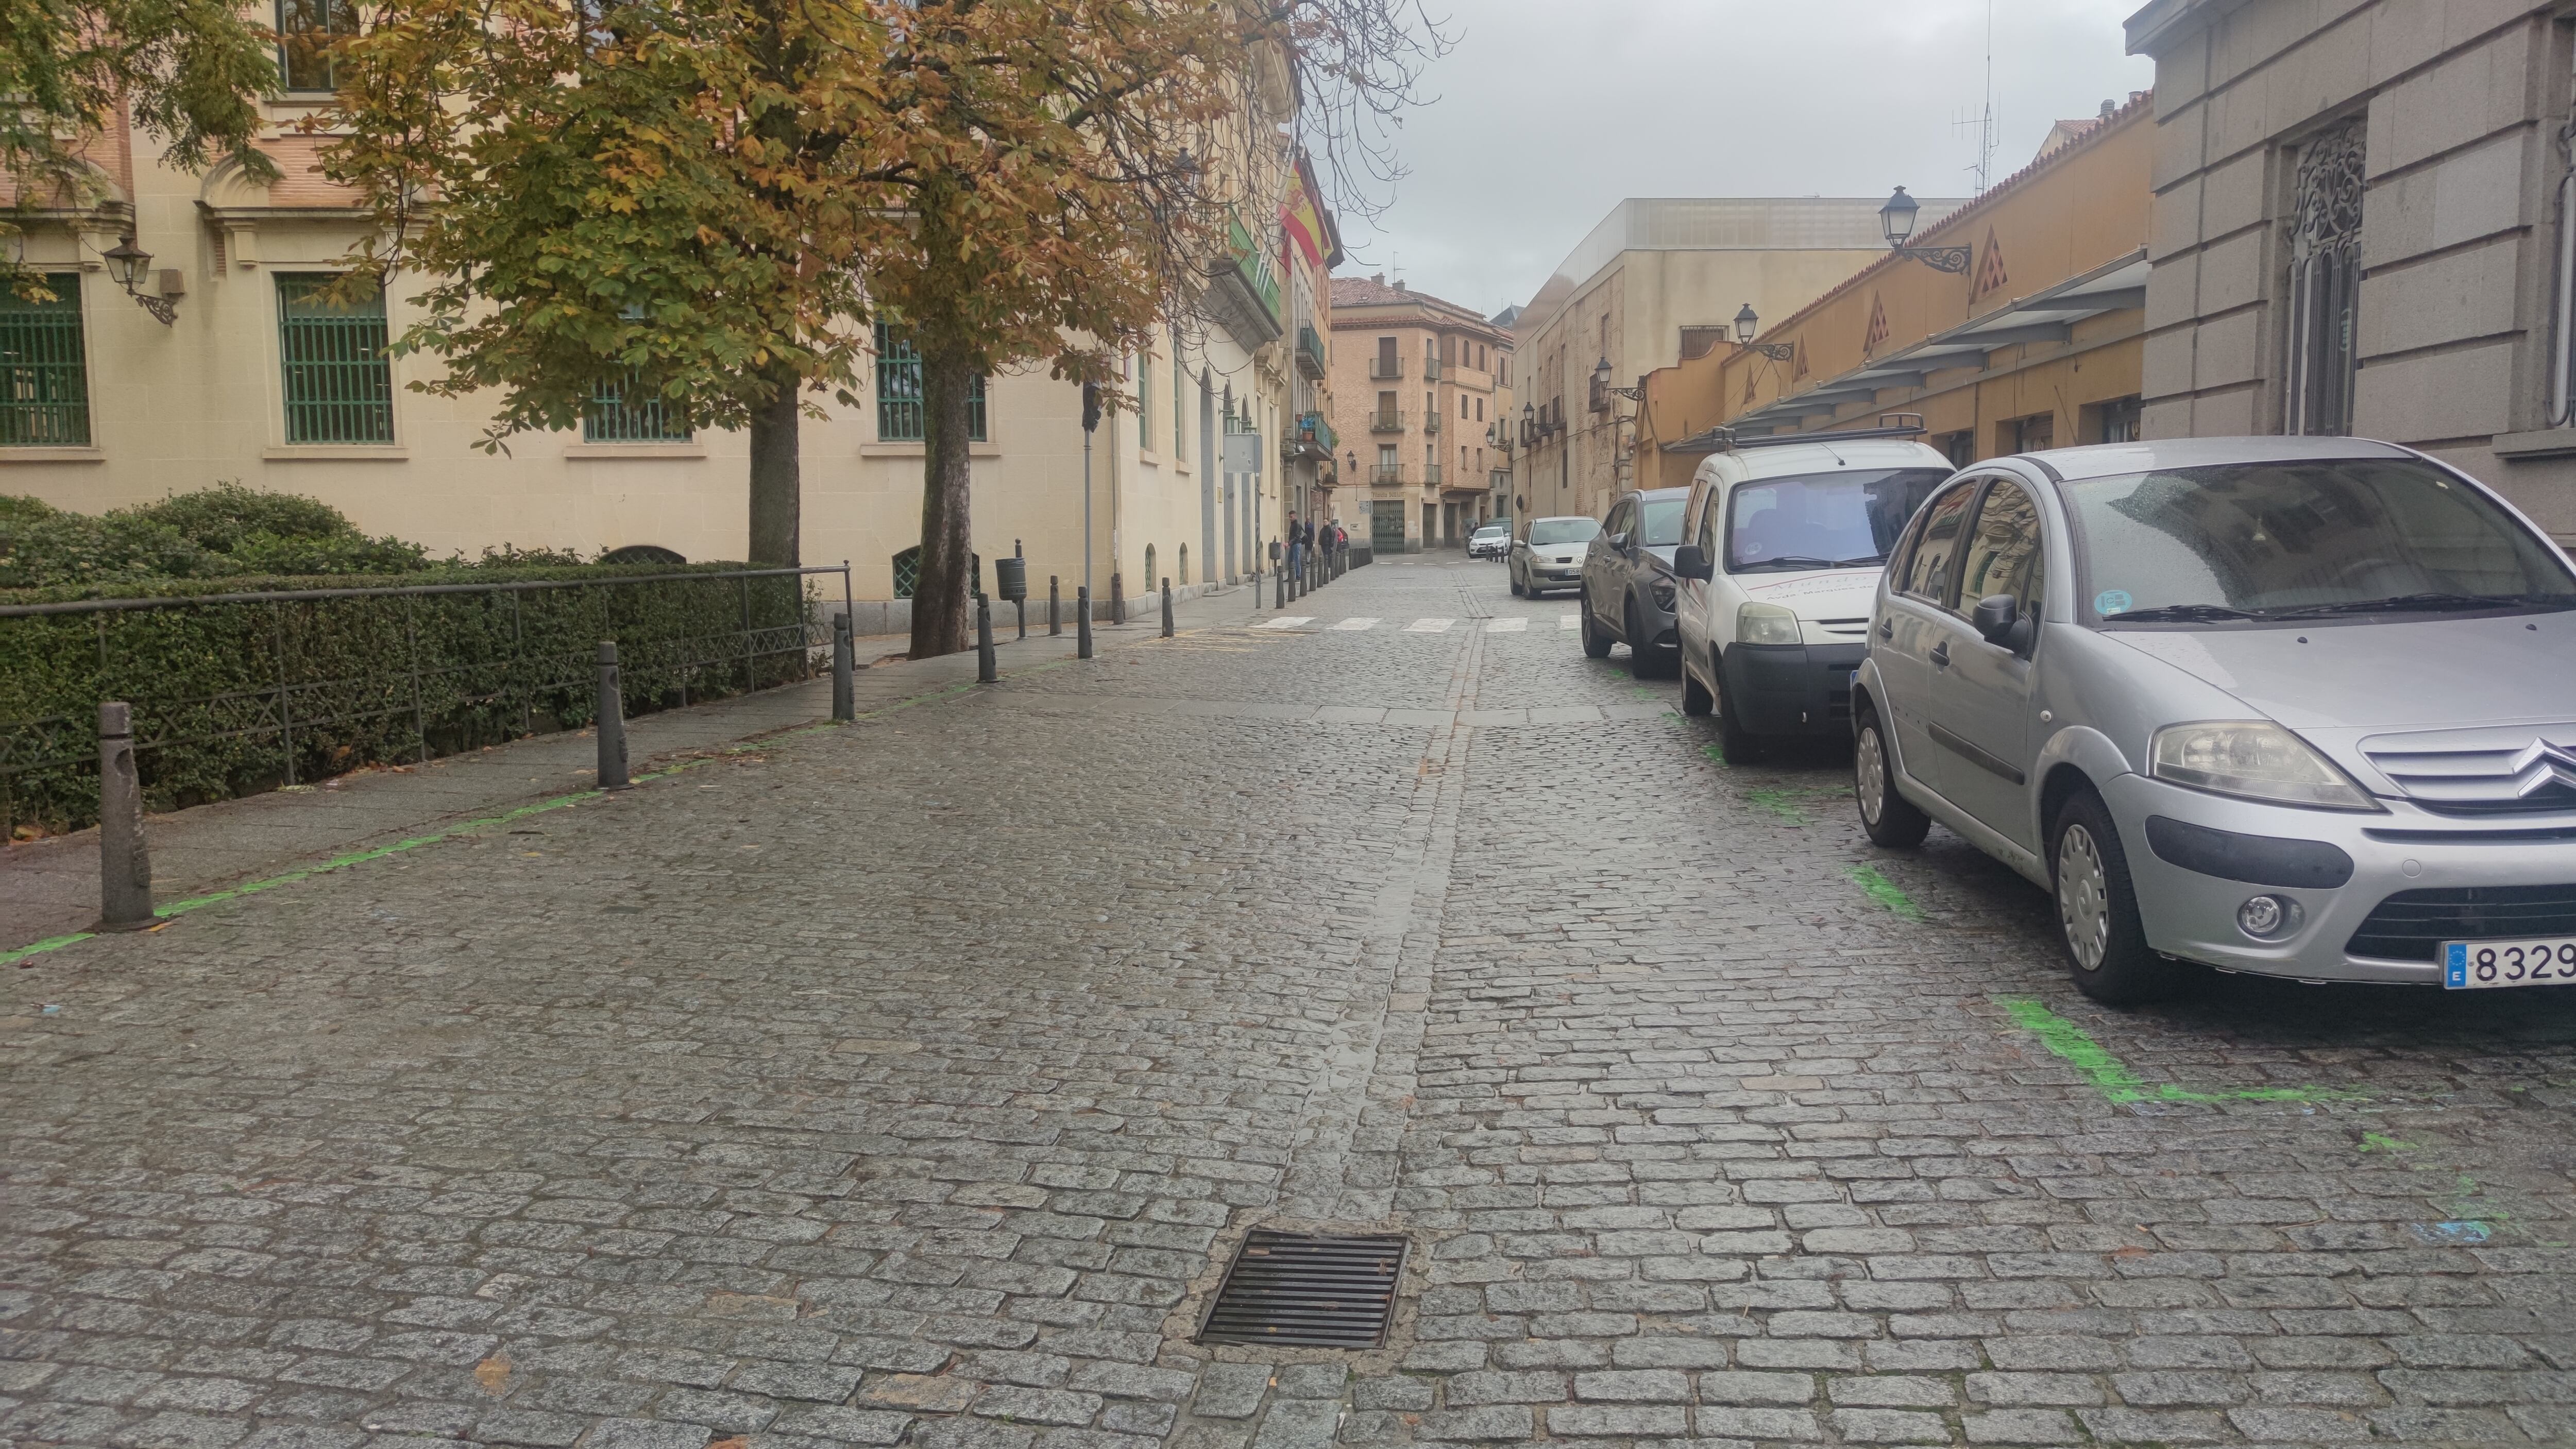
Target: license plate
2489, 965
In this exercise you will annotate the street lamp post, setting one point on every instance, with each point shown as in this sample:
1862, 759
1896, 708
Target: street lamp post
1897, 220
129, 264
1747, 322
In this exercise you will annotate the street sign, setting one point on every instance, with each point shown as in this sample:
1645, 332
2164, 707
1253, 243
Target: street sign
1243, 452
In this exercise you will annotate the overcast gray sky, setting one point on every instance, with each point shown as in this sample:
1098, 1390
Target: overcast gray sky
1548, 112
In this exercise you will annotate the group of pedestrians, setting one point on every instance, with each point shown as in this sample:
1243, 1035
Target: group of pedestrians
1305, 540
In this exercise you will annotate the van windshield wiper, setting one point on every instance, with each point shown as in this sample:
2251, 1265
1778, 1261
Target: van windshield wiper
2180, 614
1809, 561
2426, 602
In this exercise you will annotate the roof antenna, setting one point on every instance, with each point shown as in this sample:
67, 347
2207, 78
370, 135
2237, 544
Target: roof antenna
1986, 129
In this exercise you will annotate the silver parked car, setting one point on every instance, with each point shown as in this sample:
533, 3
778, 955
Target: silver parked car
1491, 540
2303, 707
1550, 556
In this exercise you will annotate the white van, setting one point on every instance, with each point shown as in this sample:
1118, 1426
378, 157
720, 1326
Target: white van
1783, 541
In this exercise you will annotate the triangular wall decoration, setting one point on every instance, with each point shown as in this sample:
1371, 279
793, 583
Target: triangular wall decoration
1991, 276
1877, 324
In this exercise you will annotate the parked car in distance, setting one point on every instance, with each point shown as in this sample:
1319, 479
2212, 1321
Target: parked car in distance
1550, 555
1491, 541
2302, 707
1782, 542
1628, 581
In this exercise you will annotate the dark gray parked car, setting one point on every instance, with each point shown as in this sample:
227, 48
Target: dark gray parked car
1628, 582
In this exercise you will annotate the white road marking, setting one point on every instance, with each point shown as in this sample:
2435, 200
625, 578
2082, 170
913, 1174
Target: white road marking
1569, 621
1288, 623
1508, 626
1356, 625
1429, 626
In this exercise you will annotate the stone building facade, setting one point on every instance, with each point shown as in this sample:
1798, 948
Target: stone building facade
2361, 226
1422, 388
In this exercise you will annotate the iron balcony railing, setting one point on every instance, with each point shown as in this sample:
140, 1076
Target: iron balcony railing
1430, 369
1385, 369
1431, 474
1315, 430
1386, 422
1431, 422
1310, 353
1387, 473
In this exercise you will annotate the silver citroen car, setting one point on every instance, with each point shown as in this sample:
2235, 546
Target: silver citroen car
2304, 707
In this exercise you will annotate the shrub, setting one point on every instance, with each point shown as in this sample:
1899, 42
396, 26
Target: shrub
231, 699
226, 529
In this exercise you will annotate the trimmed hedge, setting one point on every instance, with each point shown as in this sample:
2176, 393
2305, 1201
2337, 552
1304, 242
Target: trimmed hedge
234, 698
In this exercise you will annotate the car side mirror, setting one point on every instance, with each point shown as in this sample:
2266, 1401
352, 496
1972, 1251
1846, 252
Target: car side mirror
1690, 561
1617, 541
1995, 617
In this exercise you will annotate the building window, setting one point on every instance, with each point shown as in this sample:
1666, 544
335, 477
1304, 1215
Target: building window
1180, 430
619, 413
899, 405
1185, 555
306, 31
2120, 421
1145, 412
2325, 283
1149, 568
339, 386
44, 374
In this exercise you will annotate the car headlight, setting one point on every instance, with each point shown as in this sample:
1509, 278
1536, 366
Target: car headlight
2254, 760
1765, 624
1662, 592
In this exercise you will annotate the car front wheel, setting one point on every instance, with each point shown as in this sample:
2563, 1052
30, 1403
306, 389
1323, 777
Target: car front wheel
2097, 909
1891, 820
1596, 640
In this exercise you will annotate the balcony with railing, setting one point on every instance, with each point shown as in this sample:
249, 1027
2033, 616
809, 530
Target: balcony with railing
1386, 422
1385, 474
1385, 369
1431, 368
1310, 353
1431, 475
1311, 439
1431, 422
1243, 291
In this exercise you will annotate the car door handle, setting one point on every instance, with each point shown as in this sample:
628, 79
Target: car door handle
1887, 628
1940, 655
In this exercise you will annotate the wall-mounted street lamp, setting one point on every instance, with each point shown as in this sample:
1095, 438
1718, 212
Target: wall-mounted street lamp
1897, 219
1746, 324
129, 264
1536, 429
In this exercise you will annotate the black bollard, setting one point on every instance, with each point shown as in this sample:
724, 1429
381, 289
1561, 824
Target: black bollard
1117, 597
612, 721
1055, 614
985, 670
124, 870
845, 659
1082, 622
1167, 608
1281, 588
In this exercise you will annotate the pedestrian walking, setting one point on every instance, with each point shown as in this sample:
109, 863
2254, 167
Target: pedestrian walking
1296, 539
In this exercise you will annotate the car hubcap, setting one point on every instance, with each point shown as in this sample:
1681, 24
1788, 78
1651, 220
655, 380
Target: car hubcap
1873, 775
2083, 897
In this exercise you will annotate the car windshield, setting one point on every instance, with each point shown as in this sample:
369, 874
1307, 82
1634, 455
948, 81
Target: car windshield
1659, 521
1563, 530
1848, 518
2286, 540
1491, 530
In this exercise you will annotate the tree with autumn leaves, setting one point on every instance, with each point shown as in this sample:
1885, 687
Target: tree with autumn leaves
709, 204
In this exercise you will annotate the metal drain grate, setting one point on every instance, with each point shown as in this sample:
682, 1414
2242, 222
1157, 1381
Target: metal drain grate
1311, 1289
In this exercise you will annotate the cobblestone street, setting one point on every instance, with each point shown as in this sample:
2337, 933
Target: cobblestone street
913, 1082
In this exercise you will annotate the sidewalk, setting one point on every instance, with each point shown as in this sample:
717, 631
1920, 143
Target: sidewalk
49, 887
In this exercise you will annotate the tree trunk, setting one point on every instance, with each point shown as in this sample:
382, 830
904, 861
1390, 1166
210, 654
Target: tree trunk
777, 477
939, 602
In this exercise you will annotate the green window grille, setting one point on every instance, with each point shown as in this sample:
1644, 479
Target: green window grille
44, 384
899, 405
339, 386
306, 31
1180, 414
1144, 406
611, 418
907, 571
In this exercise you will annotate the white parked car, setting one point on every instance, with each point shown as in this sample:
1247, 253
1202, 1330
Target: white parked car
1782, 543
1493, 540
1551, 556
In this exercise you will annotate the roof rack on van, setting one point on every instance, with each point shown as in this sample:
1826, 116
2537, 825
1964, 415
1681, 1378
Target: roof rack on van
1722, 440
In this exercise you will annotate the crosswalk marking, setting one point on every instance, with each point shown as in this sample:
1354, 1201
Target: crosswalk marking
1289, 623
1429, 626
1569, 621
1508, 626
1356, 625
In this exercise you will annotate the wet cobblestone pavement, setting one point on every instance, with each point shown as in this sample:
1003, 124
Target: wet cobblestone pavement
912, 1083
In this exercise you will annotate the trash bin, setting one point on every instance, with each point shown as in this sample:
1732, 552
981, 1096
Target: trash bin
1011, 579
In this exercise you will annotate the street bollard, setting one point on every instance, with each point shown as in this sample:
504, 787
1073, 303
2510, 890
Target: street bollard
1082, 622
124, 869
1282, 587
845, 662
1288, 576
1117, 597
612, 721
1055, 615
1167, 608
985, 673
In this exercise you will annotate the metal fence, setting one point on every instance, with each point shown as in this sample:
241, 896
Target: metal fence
319, 681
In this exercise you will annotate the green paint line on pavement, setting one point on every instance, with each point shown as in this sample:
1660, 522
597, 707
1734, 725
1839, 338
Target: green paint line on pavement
2380, 1142
2113, 1078
1783, 803
467, 827
1714, 752
1884, 891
